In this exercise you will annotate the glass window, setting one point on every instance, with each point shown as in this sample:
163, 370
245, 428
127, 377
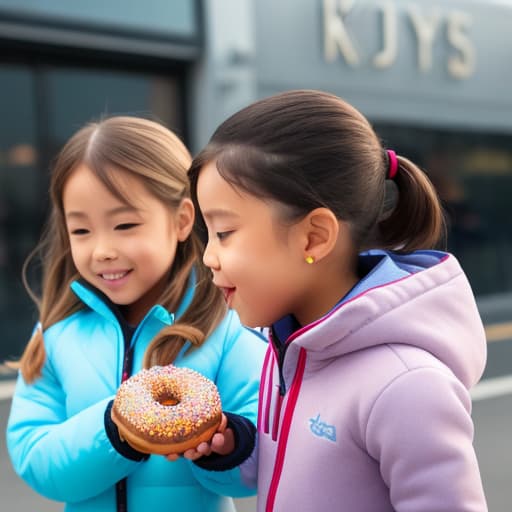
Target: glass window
473, 176
21, 192
76, 96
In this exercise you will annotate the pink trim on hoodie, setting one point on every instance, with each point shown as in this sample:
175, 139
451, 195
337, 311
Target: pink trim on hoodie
285, 429
263, 423
310, 326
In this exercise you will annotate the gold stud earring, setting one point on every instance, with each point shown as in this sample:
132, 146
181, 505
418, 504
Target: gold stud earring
310, 260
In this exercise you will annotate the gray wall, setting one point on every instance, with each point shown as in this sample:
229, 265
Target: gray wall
444, 63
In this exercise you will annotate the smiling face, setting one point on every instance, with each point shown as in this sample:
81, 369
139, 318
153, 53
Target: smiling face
255, 259
124, 250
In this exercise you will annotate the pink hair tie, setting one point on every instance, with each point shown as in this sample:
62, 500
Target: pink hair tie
392, 164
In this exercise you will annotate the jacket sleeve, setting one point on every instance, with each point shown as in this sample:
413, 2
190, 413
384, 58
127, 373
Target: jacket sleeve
244, 433
238, 380
64, 459
420, 430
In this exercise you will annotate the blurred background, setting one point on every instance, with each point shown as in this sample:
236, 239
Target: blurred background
435, 79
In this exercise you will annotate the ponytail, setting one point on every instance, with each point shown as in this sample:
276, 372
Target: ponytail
417, 220
309, 149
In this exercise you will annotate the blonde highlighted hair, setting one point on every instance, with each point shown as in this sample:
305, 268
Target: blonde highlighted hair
154, 154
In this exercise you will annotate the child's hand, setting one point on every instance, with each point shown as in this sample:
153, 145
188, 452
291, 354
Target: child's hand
222, 442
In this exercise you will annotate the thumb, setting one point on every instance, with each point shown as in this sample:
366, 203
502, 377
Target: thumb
223, 443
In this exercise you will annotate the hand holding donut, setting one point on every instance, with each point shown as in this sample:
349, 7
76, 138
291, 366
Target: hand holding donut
222, 443
170, 410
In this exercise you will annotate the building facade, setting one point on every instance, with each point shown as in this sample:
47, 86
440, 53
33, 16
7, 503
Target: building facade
434, 78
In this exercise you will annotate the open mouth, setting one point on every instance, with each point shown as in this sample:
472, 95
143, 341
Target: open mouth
114, 276
228, 295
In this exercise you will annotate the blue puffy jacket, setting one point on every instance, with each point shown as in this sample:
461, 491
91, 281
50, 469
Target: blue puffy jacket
56, 434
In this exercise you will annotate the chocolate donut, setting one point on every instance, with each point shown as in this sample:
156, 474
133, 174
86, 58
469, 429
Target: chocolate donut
167, 409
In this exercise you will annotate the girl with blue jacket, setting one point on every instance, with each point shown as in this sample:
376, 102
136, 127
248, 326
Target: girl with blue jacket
123, 288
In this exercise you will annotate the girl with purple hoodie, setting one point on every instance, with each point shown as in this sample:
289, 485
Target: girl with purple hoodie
317, 231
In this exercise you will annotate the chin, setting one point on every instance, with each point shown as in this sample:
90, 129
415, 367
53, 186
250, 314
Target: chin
247, 321
250, 321
252, 325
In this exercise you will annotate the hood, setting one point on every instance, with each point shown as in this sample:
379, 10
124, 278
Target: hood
431, 307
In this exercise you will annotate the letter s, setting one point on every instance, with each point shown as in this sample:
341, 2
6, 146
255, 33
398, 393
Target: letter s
461, 65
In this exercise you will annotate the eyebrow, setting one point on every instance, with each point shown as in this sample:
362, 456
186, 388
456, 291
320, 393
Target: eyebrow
217, 213
110, 213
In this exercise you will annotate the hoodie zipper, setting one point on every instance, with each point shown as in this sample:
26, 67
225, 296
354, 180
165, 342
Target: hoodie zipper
285, 428
281, 351
264, 410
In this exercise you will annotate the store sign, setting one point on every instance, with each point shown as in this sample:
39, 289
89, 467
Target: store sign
428, 24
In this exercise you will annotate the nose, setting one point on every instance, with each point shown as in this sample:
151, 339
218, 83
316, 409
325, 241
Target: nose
210, 258
104, 250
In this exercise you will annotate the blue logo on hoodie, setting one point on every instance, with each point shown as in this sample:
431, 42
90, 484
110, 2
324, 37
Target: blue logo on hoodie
322, 429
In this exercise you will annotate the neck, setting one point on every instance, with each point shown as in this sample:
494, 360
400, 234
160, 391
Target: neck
326, 289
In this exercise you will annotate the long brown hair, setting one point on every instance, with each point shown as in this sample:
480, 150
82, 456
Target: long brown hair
154, 154
308, 149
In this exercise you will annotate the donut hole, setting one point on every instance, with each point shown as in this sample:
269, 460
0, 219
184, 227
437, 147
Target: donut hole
167, 400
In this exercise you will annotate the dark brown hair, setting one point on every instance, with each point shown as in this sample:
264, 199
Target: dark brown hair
154, 154
308, 149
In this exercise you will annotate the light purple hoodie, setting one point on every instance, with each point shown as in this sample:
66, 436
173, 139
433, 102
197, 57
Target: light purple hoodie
375, 415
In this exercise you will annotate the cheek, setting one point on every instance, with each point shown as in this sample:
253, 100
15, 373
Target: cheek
273, 284
257, 286
77, 252
150, 256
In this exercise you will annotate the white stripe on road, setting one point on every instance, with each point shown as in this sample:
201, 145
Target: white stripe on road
488, 388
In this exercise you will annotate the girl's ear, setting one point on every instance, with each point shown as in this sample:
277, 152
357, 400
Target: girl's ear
320, 233
185, 219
